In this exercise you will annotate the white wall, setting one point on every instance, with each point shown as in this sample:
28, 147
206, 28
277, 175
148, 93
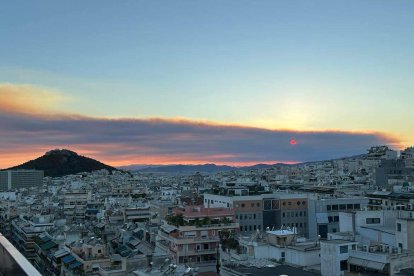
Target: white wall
292, 256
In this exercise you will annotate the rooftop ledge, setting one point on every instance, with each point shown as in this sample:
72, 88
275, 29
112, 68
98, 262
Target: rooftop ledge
13, 262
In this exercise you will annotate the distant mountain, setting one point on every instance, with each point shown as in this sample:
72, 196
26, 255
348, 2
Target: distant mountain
206, 168
63, 162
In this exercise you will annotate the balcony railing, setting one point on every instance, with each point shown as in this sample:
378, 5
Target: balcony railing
12, 262
186, 240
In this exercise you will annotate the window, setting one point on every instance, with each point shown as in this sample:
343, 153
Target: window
399, 227
289, 203
242, 205
300, 213
267, 205
298, 203
343, 249
303, 202
336, 218
373, 220
254, 216
334, 230
252, 204
353, 247
275, 204
258, 204
283, 214
329, 207
344, 265
250, 228
349, 206
357, 206
241, 228
342, 207
334, 207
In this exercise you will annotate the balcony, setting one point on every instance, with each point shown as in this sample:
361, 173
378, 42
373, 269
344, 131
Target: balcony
369, 256
200, 252
188, 240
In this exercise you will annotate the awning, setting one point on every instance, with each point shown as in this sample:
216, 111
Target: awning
68, 259
61, 253
168, 228
48, 245
75, 264
366, 263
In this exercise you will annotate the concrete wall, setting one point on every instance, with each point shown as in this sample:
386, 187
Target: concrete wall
292, 256
405, 237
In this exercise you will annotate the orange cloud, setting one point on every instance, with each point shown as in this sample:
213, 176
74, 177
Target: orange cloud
28, 99
31, 123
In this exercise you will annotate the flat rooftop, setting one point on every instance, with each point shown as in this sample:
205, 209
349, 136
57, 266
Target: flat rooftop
266, 271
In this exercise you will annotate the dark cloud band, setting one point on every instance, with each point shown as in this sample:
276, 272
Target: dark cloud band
140, 140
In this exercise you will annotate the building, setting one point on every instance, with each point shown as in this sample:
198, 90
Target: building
385, 200
75, 204
195, 237
281, 245
335, 255
392, 171
327, 212
404, 230
259, 212
25, 231
17, 179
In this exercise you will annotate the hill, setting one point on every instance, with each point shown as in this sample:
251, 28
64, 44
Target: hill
63, 162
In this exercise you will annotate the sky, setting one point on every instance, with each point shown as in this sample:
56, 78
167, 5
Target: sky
227, 82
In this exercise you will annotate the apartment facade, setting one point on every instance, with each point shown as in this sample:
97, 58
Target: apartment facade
17, 179
259, 212
196, 242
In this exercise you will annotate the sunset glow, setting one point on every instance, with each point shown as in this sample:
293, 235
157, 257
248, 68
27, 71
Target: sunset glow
192, 83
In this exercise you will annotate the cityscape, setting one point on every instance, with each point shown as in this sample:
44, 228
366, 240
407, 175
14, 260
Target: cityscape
206, 138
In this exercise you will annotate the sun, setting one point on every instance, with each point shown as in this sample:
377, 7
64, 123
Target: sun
293, 141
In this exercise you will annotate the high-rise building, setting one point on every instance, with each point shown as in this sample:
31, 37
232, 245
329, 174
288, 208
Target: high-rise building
16, 179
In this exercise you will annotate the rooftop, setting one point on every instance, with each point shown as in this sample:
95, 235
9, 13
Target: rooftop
270, 270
